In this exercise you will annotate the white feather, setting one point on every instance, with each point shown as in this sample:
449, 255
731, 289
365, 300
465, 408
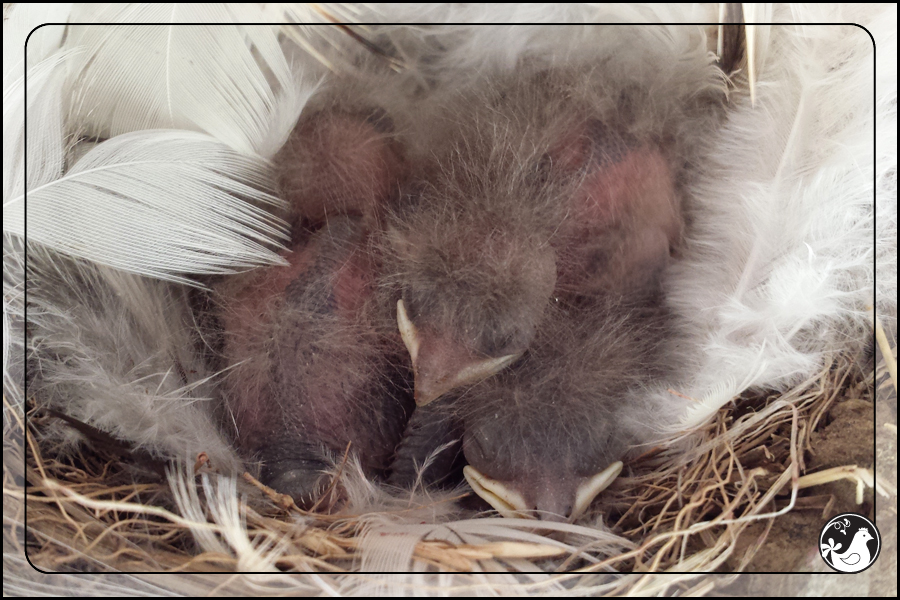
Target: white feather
13, 324
884, 30
45, 157
779, 273
758, 17
117, 351
161, 204
18, 25
449, 51
227, 535
231, 81
45, 72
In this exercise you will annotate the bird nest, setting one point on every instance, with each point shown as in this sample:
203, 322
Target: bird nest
707, 502
724, 497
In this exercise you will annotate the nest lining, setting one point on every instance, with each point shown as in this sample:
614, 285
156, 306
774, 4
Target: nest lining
679, 510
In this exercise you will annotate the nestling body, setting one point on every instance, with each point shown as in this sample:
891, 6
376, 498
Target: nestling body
529, 257
545, 190
318, 367
340, 160
545, 436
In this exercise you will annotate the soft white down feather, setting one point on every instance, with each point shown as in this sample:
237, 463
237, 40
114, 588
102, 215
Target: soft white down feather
780, 268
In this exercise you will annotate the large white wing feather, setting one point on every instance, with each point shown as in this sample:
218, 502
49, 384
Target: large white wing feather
231, 81
161, 204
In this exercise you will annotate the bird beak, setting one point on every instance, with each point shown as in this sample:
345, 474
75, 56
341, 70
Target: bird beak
408, 332
507, 502
510, 503
447, 372
588, 490
430, 389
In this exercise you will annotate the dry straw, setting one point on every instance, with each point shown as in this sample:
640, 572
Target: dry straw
685, 508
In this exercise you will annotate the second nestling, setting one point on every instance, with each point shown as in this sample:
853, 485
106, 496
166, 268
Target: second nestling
529, 256
542, 193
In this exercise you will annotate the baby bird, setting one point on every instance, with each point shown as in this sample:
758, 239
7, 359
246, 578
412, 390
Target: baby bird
546, 188
318, 365
315, 360
545, 436
340, 160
